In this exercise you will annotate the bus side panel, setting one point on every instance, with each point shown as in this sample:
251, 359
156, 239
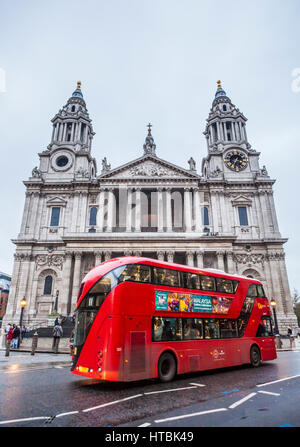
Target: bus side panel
137, 361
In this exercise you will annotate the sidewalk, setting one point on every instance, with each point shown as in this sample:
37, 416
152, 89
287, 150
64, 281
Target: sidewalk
39, 359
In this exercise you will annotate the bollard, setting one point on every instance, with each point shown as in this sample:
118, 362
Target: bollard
8, 343
278, 342
34, 343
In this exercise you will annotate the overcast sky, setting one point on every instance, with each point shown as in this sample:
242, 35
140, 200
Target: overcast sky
157, 61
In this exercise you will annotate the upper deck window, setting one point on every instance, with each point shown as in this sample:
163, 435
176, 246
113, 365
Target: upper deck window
166, 277
136, 272
208, 283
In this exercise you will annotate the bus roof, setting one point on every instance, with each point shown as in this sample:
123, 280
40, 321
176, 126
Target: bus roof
106, 266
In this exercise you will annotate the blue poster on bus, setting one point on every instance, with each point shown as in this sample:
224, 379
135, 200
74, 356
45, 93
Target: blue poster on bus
161, 300
202, 303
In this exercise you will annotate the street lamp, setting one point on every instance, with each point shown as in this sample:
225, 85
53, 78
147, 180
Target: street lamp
56, 301
23, 304
274, 304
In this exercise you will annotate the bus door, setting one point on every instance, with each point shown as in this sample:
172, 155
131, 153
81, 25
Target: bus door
137, 348
266, 339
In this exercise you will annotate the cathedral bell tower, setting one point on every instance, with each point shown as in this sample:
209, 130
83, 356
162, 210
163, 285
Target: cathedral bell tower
230, 155
68, 156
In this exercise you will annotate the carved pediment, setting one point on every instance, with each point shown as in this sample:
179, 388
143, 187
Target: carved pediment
149, 167
56, 201
241, 200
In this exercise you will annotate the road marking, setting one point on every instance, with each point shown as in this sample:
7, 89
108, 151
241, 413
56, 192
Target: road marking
168, 391
269, 392
279, 380
197, 384
111, 403
146, 424
190, 415
66, 414
12, 421
239, 402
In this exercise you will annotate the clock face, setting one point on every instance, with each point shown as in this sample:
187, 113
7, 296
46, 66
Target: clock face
236, 160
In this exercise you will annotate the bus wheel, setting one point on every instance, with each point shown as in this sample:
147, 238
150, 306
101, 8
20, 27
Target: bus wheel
255, 358
166, 367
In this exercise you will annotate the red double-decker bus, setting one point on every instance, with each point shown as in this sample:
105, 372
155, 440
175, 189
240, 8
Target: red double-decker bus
139, 318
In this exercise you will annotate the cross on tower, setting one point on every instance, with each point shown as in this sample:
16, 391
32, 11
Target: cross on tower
149, 128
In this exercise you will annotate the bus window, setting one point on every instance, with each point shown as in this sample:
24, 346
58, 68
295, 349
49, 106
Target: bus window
260, 290
172, 329
235, 285
191, 281
208, 283
224, 285
228, 328
211, 328
252, 291
136, 272
166, 277
192, 329
264, 328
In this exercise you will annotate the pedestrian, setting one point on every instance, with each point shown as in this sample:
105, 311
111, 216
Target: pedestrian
8, 327
57, 333
15, 337
8, 341
71, 341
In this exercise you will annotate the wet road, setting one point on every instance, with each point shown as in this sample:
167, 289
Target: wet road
52, 396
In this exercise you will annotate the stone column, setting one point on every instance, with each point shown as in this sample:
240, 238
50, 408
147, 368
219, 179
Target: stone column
129, 211
110, 210
75, 212
170, 256
107, 255
98, 257
66, 284
200, 256
137, 210
220, 256
160, 211
190, 258
76, 280
161, 255
187, 210
230, 262
25, 213
100, 214
168, 210
13, 291
214, 211
198, 222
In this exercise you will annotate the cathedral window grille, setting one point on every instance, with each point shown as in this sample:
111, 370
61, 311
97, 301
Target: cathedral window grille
55, 213
83, 126
243, 216
93, 216
48, 285
69, 131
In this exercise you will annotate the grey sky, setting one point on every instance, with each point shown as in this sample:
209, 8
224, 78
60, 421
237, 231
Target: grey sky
157, 61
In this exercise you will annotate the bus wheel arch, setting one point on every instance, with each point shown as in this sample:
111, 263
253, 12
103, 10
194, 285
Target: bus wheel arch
255, 355
167, 366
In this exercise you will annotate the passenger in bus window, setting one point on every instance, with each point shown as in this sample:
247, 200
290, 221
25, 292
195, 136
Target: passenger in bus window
158, 328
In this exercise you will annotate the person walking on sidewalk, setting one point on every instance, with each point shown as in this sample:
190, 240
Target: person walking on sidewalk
57, 333
9, 337
15, 337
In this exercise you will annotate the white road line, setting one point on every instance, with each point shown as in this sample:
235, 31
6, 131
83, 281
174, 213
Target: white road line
168, 391
190, 415
239, 402
279, 380
269, 392
12, 421
66, 414
146, 424
111, 403
197, 384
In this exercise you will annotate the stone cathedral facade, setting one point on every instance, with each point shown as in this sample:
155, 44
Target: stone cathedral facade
75, 217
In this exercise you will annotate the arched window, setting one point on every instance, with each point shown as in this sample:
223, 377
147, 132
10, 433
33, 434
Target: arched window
93, 216
48, 285
205, 217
